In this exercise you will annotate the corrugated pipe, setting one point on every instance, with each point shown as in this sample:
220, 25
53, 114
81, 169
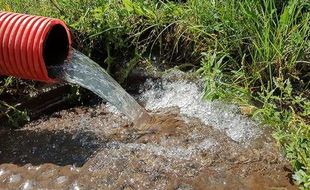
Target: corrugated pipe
28, 44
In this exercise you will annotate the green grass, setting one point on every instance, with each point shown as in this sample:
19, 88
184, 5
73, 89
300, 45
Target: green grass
254, 53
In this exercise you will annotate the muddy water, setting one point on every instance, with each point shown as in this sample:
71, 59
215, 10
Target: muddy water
96, 147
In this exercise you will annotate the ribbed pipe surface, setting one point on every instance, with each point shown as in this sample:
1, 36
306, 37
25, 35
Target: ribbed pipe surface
29, 43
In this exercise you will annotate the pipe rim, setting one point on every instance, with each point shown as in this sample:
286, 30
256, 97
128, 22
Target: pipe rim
43, 44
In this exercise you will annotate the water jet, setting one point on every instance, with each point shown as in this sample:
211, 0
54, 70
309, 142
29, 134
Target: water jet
39, 48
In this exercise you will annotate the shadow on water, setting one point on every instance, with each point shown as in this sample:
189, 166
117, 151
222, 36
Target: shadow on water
23, 147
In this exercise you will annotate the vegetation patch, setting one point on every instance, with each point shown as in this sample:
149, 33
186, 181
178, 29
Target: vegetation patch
254, 53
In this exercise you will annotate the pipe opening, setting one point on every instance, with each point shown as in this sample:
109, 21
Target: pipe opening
56, 46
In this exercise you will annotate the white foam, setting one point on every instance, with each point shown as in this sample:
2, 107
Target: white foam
61, 179
174, 152
15, 178
75, 186
2, 172
29, 184
188, 96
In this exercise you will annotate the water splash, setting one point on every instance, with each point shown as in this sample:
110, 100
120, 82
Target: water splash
188, 97
84, 72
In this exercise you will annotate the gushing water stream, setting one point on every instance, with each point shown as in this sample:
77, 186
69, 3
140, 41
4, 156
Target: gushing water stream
81, 70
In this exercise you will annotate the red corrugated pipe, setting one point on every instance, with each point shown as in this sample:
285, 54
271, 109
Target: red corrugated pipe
30, 43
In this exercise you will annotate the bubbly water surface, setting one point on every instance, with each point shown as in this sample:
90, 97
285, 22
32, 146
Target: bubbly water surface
188, 97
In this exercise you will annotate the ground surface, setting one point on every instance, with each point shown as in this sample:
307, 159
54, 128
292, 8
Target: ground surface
95, 147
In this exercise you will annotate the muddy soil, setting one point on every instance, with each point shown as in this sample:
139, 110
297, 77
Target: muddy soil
95, 147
